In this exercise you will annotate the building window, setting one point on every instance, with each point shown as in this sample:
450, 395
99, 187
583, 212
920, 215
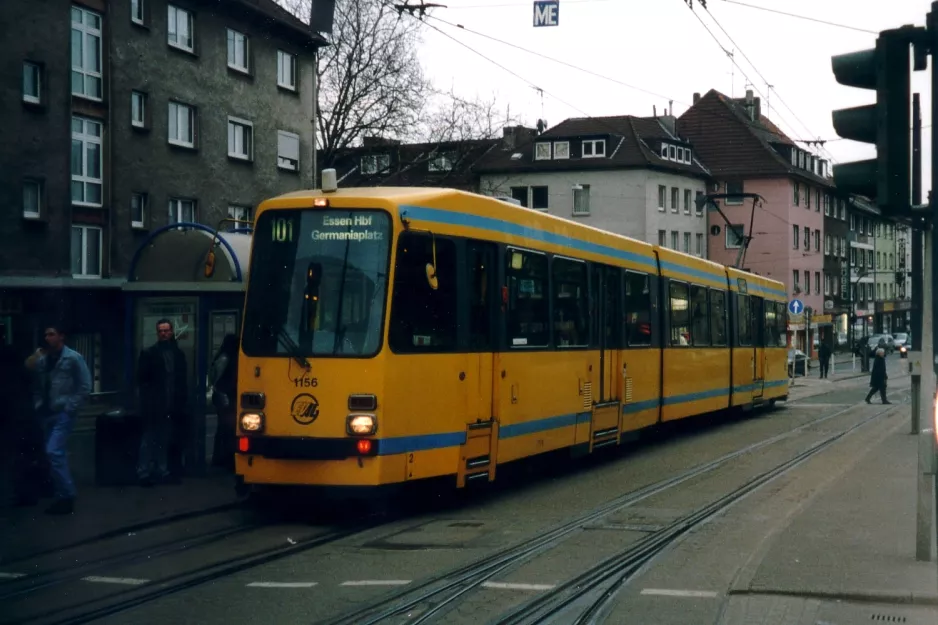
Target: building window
795, 237
288, 153
734, 236
796, 280
662, 197
595, 148
32, 83
672, 152
179, 29
817, 240
138, 209
675, 199
675, 240
797, 197
243, 214
240, 139
734, 188
286, 70
32, 199
699, 249
539, 198
375, 163
87, 162
843, 247
853, 223
181, 122
237, 51
817, 282
542, 152
827, 245
686, 249
561, 149
181, 210
807, 282
581, 199
698, 203
807, 197
136, 11
827, 284
687, 201
441, 162
86, 251
827, 205
662, 238
807, 238
138, 109
86, 54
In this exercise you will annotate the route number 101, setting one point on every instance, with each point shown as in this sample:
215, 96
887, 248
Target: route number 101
282, 230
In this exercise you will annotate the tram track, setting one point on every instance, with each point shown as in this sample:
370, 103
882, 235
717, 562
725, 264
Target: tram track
437, 595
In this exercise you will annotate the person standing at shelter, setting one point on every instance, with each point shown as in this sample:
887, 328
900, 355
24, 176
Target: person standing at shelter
878, 377
162, 378
824, 356
63, 387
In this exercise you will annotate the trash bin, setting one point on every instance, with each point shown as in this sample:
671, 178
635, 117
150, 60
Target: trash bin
116, 447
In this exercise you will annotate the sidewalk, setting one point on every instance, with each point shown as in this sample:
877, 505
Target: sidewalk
843, 376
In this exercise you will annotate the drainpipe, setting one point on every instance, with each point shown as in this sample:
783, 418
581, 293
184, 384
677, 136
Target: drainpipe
315, 110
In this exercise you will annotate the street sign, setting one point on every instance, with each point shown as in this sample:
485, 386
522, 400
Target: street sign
546, 13
796, 306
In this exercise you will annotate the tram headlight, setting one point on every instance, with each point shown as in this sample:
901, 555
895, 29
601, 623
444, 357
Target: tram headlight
361, 424
252, 422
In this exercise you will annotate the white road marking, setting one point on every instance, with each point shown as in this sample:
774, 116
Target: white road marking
377, 582
126, 581
509, 586
11, 575
281, 584
664, 592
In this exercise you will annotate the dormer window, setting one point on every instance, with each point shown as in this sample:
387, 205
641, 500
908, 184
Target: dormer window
561, 149
672, 152
594, 148
688, 156
441, 162
375, 163
542, 152
794, 156
680, 155
664, 151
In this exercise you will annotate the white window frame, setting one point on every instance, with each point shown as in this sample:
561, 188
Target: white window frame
243, 214
700, 245
581, 195
687, 201
287, 163
137, 12
688, 156
375, 163
36, 71
675, 240
686, 248
662, 238
176, 206
675, 200
739, 235
734, 202
83, 270
138, 100
561, 150
664, 151
662, 198
86, 138
243, 131
594, 150
173, 13
441, 162
142, 199
542, 151
173, 110
87, 33
291, 76
242, 45
37, 185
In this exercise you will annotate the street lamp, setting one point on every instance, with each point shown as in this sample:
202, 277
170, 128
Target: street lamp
862, 273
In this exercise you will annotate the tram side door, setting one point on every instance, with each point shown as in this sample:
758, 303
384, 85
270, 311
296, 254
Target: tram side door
478, 453
757, 316
607, 289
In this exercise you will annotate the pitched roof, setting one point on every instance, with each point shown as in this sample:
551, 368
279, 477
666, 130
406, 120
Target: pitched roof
734, 145
409, 164
275, 12
632, 143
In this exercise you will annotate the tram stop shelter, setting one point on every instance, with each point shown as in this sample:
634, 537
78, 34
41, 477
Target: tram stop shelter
169, 279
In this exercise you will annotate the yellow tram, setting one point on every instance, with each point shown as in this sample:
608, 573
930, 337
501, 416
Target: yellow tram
398, 334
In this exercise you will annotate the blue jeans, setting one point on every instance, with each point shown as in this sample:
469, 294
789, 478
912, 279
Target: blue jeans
57, 428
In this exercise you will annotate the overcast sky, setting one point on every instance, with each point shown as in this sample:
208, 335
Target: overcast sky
652, 51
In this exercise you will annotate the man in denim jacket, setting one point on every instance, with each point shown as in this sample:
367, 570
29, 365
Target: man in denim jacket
64, 384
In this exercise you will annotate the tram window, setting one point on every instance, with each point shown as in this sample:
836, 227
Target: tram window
680, 314
718, 317
743, 319
699, 315
571, 303
637, 309
612, 289
481, 260
781, 318
423, 319
528, 315
756, 306
771, 335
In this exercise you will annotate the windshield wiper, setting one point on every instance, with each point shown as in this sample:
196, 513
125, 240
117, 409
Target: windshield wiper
292, 348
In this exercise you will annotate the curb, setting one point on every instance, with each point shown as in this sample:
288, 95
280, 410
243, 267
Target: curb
871, 596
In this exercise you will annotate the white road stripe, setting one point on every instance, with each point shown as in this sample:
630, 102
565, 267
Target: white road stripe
377, 582
509, 586
11, 575
126, 581
281, 584
664, 592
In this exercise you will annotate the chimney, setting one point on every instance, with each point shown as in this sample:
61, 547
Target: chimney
654, 110
670, 107
696, 97
669, 122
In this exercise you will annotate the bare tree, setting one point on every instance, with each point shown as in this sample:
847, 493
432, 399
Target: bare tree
370, 78
452, 117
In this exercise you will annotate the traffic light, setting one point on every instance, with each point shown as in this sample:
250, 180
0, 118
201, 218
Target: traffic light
887, 124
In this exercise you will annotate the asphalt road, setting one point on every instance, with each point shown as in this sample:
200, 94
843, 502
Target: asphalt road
491, 552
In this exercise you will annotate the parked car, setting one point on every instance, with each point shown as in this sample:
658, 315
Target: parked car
903, 339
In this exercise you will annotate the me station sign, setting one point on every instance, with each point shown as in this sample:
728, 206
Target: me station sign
546, 13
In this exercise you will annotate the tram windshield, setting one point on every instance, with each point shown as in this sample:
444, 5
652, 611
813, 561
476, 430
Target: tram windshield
318, 283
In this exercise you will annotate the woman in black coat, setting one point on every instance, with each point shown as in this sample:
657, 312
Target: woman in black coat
878, 377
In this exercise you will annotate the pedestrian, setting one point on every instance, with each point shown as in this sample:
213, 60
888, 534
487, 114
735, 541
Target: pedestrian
224, 381
62, 388
878, 377
824, 356
162, 379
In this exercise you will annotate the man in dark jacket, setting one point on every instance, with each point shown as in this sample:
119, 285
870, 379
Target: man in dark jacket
162, 377
824, 356
878, 377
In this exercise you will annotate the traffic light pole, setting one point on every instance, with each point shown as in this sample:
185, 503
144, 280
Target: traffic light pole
917, 258
932, 27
